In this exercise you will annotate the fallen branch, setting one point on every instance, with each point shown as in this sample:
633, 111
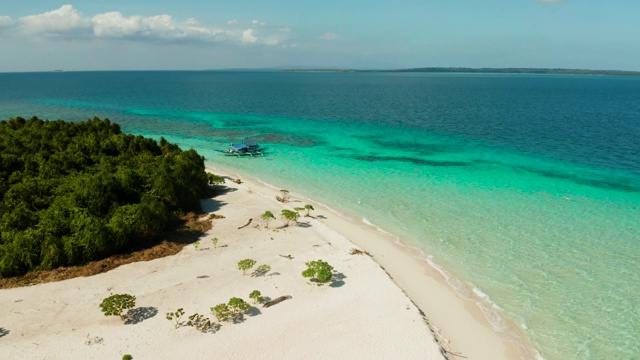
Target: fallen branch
276, 301
287, 256
245, 225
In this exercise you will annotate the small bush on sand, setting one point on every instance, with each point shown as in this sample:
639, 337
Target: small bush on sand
174, 317
308, 207
127, 357
288, 216
319, 271
245, 265
117, 304
267, 216
201, 323
261, 270
232, 310
238, 307
221, 311
214, 179
285, 196
256, 296
215, 242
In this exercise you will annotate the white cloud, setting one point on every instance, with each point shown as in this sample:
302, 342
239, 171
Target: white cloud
329, 36
248, 37
65, 20
6, 22
114, 25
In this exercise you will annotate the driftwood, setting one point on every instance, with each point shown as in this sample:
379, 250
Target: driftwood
355, 251
276, 301
237, 181
287, 256
245, 225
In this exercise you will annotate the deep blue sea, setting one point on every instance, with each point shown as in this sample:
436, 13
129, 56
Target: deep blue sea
524, 188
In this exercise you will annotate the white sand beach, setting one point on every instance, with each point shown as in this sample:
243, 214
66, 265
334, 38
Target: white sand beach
373, 309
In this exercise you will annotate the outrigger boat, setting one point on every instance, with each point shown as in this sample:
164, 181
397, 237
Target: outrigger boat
250, 148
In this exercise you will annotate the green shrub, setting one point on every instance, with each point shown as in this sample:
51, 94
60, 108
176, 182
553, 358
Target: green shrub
319, 271
215, 242
257, 297
245, 265
201, 323
174, 317
127, 357
238, 306
267, 216
308, 207
214, 179
221, 311
285, 196
116, 304
289, 216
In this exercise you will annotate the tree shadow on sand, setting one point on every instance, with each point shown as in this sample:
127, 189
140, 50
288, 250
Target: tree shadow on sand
338, 280
211, 205
254, 311
138, 315
4, 332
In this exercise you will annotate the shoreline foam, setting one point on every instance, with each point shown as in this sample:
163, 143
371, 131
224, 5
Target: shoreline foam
501, 337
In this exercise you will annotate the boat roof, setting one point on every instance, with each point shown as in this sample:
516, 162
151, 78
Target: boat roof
251, 143
239, 146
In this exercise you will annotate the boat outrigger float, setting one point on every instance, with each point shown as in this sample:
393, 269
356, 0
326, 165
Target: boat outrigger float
250, 148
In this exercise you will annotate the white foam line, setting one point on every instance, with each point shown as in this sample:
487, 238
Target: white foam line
488, 308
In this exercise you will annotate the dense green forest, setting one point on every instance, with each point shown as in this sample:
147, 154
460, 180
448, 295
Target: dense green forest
72, 192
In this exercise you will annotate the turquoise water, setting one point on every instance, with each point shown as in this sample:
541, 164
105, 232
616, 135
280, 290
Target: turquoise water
526, 188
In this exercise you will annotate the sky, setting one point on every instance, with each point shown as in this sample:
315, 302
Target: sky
45, 35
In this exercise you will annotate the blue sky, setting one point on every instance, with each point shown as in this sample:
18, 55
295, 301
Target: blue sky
42, 35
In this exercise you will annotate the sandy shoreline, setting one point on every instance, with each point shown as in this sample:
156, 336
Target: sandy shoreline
459, 323
366, 314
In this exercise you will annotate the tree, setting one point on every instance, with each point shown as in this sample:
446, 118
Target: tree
308, 207
268, 215
74, 192
285, 196
319, 271
214, 241
116, 304
238, 307
289, 216
214, 179
221, 311
256, 296
245, 265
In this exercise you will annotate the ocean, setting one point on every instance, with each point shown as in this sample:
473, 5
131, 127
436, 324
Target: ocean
523, 189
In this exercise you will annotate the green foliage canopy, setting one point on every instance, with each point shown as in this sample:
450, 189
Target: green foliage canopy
116, 304
318, 270
73, 192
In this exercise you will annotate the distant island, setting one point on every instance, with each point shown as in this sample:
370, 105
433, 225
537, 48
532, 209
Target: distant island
485, 71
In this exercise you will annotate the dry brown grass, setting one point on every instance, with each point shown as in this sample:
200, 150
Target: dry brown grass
170, 244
